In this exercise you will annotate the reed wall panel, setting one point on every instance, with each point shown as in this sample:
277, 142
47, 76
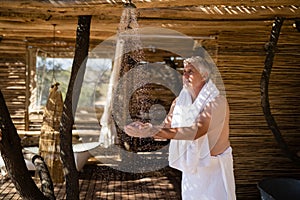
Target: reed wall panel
241, 62
12, 85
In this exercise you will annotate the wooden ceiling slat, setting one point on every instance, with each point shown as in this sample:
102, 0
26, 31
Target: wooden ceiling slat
144, 4
183, 13
21, 20
209, 13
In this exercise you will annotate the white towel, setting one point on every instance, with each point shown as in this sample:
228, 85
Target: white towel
108, 132
186, 111
214, 182
189, 155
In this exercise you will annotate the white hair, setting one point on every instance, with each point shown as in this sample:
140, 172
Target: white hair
204, 65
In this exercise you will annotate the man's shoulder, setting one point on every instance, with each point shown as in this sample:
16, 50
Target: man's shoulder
219, 101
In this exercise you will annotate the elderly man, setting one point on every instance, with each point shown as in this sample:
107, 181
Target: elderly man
198, 126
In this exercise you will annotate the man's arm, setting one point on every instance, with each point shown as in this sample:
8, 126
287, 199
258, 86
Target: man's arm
198, 129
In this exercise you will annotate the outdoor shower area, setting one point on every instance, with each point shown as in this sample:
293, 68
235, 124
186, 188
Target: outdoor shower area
133, 72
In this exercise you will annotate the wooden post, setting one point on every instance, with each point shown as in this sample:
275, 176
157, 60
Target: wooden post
264, 88
70, 105
11, 151
30, 83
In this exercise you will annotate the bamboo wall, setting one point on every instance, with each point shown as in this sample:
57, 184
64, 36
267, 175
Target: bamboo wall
12, 85
241, 57
241, 61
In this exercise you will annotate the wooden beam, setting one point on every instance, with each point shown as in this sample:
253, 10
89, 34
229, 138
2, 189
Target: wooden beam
209, 13
140, 4
194, 12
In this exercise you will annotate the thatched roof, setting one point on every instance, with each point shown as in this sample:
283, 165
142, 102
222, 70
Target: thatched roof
30, 23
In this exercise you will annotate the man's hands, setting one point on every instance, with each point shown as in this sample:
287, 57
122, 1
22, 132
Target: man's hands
140, 129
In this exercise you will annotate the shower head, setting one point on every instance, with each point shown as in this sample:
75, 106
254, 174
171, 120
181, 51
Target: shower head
129, 5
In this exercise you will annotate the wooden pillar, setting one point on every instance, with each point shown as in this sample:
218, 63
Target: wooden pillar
29, 81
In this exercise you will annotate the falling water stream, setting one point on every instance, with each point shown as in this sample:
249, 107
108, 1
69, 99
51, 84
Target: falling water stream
132, 56
129, 93
128, 53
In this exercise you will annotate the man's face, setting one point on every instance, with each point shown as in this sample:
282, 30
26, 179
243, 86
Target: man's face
192, 79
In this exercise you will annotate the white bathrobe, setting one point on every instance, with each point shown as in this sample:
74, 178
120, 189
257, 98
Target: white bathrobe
204, 177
